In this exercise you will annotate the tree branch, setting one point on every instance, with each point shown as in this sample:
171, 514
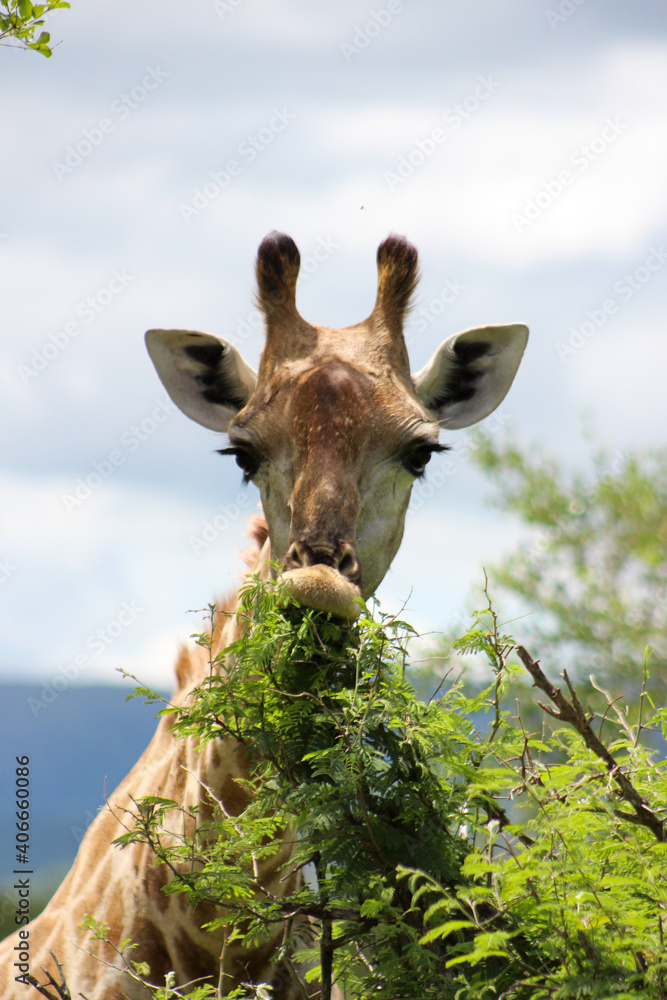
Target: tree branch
573, 713
62, 989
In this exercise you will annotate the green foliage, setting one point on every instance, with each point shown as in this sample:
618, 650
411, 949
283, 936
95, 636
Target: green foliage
592, 571
444, 856
20, 19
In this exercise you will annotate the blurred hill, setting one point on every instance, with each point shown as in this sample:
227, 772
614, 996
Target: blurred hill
82, 742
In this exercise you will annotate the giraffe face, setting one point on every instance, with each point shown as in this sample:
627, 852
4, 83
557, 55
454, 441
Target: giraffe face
334, 450
333, 429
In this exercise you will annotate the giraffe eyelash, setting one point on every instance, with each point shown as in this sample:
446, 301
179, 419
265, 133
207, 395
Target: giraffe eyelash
246, 460
416, 460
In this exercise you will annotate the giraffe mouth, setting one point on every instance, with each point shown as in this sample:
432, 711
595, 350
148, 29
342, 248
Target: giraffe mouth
323, 588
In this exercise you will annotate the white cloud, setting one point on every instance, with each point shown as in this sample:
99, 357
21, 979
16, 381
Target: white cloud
76, 565
630, 395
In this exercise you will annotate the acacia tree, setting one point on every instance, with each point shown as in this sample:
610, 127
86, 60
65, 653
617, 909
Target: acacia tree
449, 856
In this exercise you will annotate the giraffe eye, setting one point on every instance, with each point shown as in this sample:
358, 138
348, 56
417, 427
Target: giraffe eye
246, 460
416, 460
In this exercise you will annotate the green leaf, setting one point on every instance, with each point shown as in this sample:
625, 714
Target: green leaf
444, 930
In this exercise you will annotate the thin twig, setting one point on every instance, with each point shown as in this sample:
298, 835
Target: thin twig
61, 988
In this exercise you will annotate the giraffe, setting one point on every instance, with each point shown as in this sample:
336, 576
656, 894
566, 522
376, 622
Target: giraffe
333, 430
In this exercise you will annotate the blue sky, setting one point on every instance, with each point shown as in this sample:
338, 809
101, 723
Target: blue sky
521, 146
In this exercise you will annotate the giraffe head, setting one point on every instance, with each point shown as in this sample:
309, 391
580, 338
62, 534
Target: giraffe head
333, 429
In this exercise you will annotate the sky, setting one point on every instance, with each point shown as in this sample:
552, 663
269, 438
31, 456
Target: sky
522, 147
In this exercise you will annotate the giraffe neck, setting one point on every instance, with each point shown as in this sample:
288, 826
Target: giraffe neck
124, 888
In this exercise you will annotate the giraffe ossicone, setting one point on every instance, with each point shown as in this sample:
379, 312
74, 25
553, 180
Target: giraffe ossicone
333, 429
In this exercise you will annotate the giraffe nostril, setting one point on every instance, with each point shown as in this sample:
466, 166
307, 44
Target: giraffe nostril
348, 565
295, 557
301, 555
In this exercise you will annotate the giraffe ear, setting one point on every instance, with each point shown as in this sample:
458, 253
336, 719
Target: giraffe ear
205, 376
471, 372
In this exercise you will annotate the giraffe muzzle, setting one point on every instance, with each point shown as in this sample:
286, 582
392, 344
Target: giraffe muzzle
324, 578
